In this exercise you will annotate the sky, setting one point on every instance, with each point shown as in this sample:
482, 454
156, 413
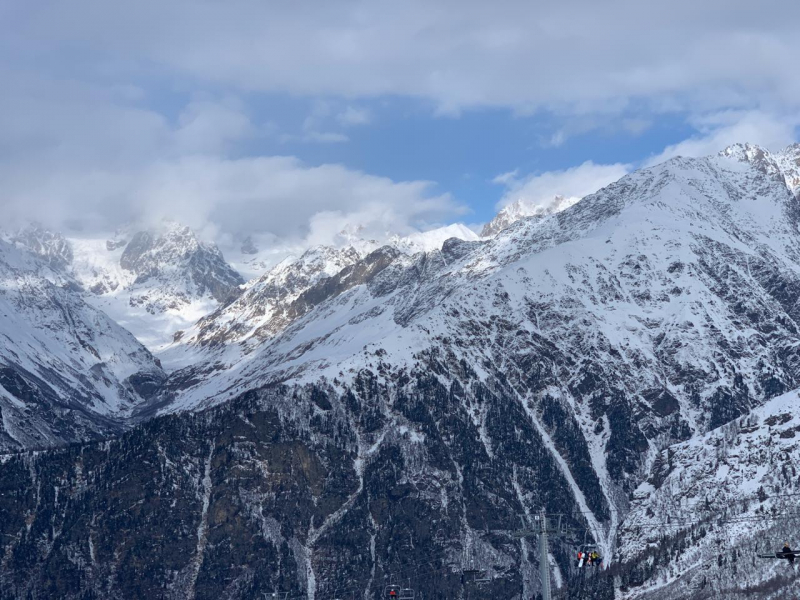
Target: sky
291, 120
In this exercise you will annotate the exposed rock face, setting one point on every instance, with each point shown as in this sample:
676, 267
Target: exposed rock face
789, 161
51, 246
179, 263
159, 281
67, 372
154, 282
738, 483
112, 245
640, 292
256, 312
616, 326
249, 246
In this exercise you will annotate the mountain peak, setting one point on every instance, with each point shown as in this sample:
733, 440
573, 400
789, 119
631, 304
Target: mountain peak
49, 245
789, 161
177, 252
432, 240
524, 207
761, 158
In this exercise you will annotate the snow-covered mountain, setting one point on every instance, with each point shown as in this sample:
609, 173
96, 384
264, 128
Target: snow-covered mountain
48, 245
358, 415
642, 273
256, 313
266, 305
648, 313
153, 282
67, 371
523, 208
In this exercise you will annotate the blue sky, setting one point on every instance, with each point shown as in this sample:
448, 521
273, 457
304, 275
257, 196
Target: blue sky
293, 120
463, 154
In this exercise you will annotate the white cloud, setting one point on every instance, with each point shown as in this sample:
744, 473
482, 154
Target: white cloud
277, 196
576, 182
95, 125
319, 137
574, 56
314, 126
720, 129
354, 116
509, 178
212, 127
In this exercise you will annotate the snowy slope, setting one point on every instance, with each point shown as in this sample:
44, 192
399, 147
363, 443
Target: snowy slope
256, 314
67, 371
645, 265
167, 280
570, 362
737, 485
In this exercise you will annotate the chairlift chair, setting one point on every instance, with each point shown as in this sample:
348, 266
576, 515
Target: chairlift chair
584, 552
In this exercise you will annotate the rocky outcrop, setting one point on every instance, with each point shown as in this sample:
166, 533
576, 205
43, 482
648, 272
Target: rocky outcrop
48, 245
175, 263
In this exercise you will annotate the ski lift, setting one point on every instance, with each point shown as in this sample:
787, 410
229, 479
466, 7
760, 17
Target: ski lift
392, 592
589, 556
474, 576
782, 554
406, 594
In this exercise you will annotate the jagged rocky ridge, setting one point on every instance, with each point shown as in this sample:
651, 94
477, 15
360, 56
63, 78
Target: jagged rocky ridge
646, 314
182, 267
254, 312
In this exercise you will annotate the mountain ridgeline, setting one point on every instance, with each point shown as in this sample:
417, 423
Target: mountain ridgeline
362, 417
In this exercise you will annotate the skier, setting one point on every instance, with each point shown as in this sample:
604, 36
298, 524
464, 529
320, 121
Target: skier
787, 553
595, 559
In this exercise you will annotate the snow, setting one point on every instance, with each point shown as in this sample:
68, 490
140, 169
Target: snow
433, 240
653, 278
739, 471
624, 277
524, 208
51, 332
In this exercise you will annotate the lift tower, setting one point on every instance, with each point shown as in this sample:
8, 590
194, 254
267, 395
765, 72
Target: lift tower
543, 526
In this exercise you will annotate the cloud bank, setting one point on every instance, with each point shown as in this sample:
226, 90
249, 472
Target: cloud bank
114, 112
577, 182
